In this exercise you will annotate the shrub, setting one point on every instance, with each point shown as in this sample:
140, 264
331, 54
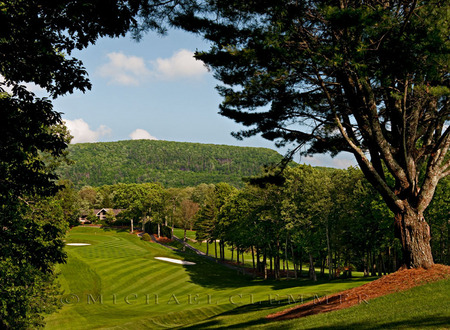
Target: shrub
146, 237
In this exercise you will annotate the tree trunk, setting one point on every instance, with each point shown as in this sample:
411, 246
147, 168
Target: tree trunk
258, 261
300, 262
286, 258
366, 264
253, 260
312, 271
277, 261
414, 234
373, 271
379, 265
271, 265
322, 266
330, 256
215, 248
265, 263
294, 261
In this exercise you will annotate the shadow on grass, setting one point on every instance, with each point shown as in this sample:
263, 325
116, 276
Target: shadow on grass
256, 307
432, 322
210, 274
115, 229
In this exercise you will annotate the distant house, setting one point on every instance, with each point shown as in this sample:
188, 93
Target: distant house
83, 219
99, 213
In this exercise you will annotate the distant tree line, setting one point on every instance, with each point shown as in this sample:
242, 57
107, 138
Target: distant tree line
327, 218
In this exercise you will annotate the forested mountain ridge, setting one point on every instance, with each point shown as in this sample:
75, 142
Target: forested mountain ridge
173, 164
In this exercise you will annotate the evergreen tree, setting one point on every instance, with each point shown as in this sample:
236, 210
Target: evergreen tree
365, 77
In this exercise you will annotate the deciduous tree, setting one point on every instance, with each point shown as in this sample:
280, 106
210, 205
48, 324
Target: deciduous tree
36, 41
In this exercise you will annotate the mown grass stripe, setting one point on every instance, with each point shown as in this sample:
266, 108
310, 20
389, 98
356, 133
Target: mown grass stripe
117, 266
139, 281
157, 278
125, 265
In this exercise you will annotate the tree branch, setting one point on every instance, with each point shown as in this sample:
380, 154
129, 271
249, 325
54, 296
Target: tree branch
387, 193
378, 136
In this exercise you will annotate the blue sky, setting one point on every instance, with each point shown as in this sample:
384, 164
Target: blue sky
155, 89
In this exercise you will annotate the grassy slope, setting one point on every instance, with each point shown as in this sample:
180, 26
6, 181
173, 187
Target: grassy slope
423, 307
120, 264
178, 232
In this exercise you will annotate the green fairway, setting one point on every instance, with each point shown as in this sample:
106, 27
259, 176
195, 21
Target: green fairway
116, 282
178, 232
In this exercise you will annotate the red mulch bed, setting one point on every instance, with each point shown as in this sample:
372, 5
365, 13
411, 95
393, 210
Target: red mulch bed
163, 239
399, 281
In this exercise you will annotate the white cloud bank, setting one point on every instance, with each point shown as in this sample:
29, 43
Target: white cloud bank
132, 70
81, 131
182, 64
124, 70
141, 134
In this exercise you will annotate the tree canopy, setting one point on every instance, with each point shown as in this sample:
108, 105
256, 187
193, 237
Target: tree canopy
37, 39
366, 77
173, 164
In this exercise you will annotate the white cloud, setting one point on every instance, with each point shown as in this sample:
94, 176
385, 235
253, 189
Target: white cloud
124, 70
341, 161
141, 134
182, 64
32, 87
132, 70
4, 87
81, 132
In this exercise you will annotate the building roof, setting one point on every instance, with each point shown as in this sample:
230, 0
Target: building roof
115, 211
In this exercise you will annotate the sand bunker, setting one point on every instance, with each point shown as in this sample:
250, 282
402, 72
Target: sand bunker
175, 261
78, 244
